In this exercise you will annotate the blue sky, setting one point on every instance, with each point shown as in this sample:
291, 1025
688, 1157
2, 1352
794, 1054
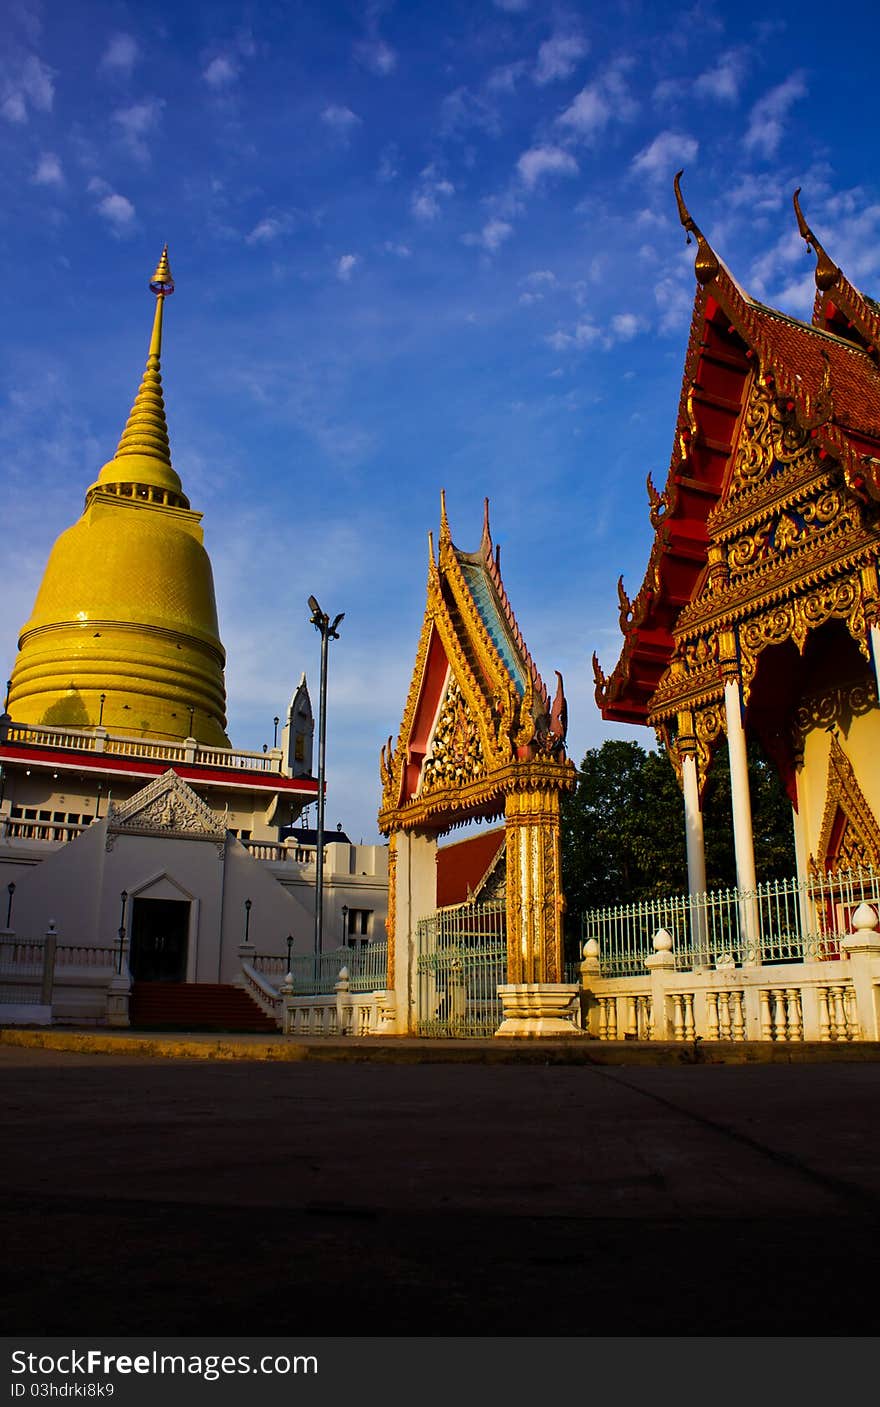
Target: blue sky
416, 247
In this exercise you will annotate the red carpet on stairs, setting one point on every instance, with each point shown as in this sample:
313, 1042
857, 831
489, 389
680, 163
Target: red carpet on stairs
195, 1006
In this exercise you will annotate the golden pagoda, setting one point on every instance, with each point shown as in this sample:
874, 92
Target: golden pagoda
123, 632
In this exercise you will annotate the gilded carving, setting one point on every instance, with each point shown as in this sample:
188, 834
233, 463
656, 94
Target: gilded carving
456, 755
771, 437
849, 835
794, 619
834, 707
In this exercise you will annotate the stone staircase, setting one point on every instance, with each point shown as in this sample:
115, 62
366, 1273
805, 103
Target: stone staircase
195, 1006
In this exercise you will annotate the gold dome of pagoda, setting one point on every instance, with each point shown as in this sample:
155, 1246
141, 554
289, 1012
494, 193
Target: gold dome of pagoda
124, 631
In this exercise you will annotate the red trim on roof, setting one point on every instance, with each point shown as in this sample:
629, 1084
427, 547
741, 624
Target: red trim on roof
236, 778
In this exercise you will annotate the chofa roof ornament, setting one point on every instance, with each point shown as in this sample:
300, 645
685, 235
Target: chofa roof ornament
706, 265
827, 273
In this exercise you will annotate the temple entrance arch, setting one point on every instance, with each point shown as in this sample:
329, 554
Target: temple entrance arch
480, 740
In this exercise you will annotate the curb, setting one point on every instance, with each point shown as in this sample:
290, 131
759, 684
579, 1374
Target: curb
409, 1051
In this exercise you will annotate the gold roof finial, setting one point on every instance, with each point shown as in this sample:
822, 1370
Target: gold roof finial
706, 265
146, 430
827, 273
445, 535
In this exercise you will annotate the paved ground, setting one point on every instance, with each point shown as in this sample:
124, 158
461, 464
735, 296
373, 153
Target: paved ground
145, 1195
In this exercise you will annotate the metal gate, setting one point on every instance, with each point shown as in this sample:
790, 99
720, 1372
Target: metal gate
461, 962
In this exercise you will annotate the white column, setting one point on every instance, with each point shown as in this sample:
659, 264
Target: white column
696, 850
743, 841
693, 826
875, 651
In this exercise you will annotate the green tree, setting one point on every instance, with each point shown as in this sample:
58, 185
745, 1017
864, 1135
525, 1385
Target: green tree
623, 829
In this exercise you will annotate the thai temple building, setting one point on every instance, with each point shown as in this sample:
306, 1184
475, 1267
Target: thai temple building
759, 618
759, 613
131, 830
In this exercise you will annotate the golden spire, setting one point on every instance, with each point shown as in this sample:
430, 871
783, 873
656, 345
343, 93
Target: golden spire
146, 431
706, 265
827, 273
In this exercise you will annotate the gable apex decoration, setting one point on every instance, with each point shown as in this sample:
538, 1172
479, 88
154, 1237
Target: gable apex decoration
167, 807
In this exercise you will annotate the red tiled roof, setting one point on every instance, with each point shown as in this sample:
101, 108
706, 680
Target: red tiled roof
463, 866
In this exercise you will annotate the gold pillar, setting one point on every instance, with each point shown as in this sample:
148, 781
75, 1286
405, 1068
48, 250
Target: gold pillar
391, 919
534, 887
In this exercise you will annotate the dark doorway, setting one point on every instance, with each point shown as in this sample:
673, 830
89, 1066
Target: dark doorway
159, 930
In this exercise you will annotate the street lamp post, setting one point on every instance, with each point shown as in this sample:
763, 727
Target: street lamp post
103, 700
10, 889
124, 897
247, 919
289, 946
344, 925
328, 632
275, 721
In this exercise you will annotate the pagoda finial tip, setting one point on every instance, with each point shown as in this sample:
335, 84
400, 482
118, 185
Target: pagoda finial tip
162, 282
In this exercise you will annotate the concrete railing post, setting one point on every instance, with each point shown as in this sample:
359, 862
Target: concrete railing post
863, 949
343, 1003
661, 966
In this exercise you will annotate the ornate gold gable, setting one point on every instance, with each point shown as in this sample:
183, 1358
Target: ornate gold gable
849, 834
478, 721
480, 738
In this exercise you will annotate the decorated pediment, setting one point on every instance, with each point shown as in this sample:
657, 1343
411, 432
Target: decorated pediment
477, 708
849, 836
168, 808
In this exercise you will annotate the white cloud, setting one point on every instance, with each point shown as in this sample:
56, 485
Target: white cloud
120, 56
505, 78
663, 156
558, 57
116, 209
346, 266
221, 71
625, 326
48, 172
767, 117
674, 302
491, 236
340, 120
377, 56
24, 86
463, 110
402, 251
723, 82
267, 230
607, 99
757, 193
585, 334
541, 161
387, 170
513, 7
425, 202
138, 122
535, 285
